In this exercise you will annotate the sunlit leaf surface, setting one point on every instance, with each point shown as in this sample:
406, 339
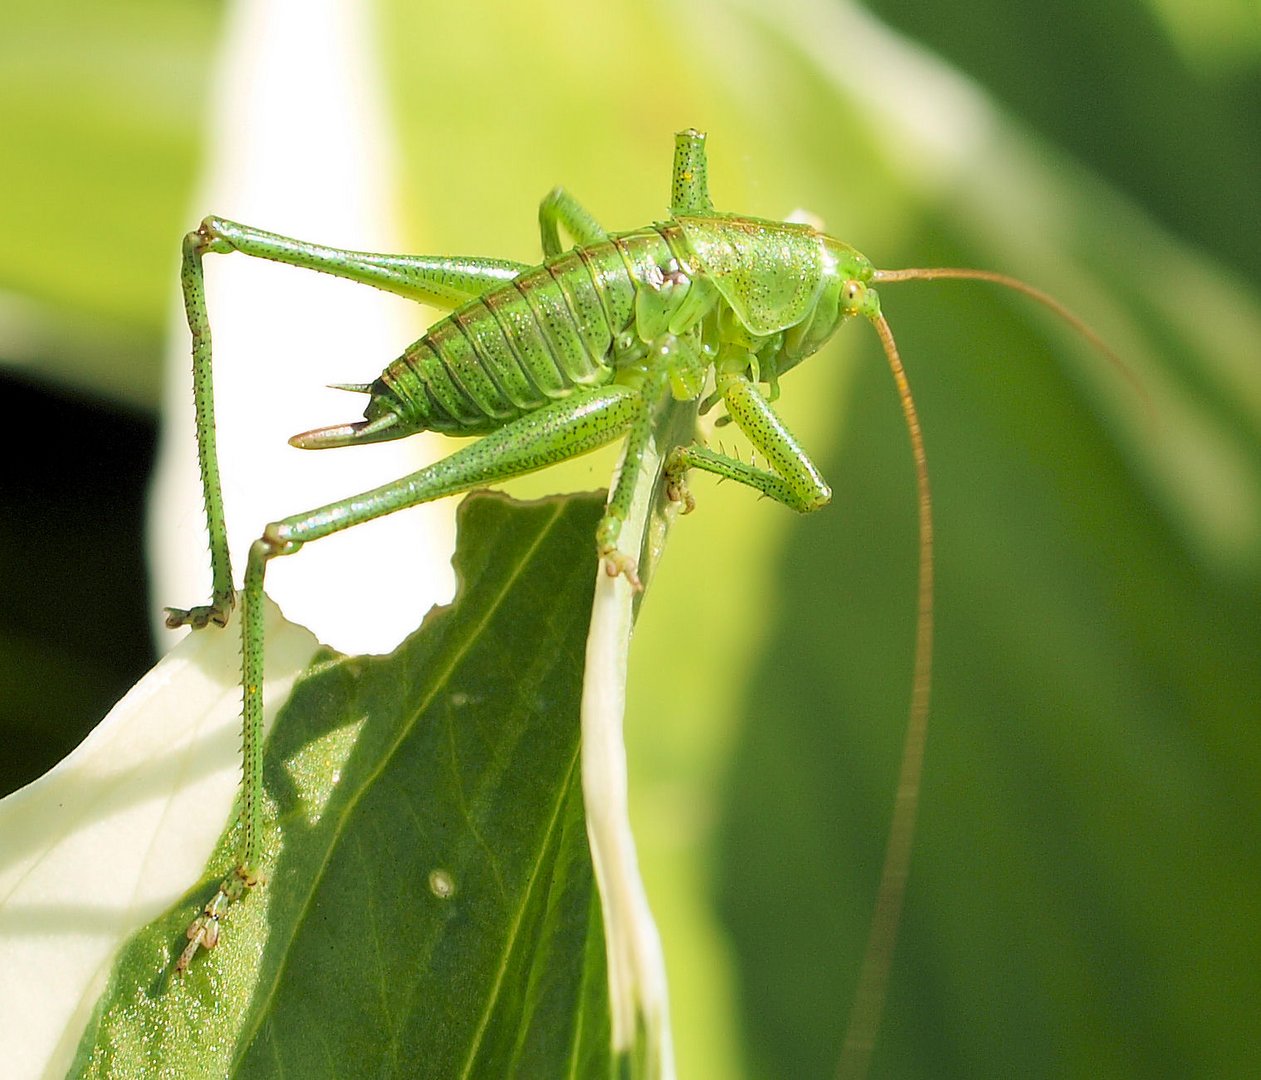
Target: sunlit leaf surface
430, 909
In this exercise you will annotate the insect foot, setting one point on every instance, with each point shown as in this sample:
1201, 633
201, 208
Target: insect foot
616, 562
677, 490
203, 931
216, 612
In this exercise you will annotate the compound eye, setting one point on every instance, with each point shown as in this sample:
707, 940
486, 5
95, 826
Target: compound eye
854, 293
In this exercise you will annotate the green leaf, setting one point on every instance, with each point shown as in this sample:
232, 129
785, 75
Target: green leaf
1085, 874
429, 908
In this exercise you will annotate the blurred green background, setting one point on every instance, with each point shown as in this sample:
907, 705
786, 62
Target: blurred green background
1085, 893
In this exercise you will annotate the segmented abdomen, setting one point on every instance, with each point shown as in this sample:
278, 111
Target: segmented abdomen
554, 328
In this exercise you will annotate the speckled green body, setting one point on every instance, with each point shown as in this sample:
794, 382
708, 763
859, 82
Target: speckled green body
545, 363
758, 297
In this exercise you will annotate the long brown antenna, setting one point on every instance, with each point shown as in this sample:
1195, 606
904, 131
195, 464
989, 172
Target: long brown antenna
873, 980
938, 273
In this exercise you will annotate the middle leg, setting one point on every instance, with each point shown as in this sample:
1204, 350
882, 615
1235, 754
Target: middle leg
795, 480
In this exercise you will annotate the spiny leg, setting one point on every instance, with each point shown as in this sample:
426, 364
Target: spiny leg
585, 421
619, 504
222, 595
796, 481
673, 368
561, 208
444, 281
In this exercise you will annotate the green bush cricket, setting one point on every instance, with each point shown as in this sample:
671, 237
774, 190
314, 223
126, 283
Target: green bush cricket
548, 362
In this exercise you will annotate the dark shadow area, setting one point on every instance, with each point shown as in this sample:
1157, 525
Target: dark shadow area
74, 631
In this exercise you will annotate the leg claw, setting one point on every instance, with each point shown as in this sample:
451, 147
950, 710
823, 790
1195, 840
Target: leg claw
203, 931
677, 491
676, 483
617, 563
216, 612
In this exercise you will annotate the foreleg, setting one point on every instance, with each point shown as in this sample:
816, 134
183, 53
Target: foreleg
793, 478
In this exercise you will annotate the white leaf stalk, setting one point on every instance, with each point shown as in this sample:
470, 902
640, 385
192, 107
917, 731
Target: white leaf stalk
638, 991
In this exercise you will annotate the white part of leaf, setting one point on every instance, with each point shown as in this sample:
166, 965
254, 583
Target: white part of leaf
299, 143
638, 990
118, 831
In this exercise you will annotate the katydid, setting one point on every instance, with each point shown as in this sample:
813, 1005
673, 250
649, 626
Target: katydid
551, 361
